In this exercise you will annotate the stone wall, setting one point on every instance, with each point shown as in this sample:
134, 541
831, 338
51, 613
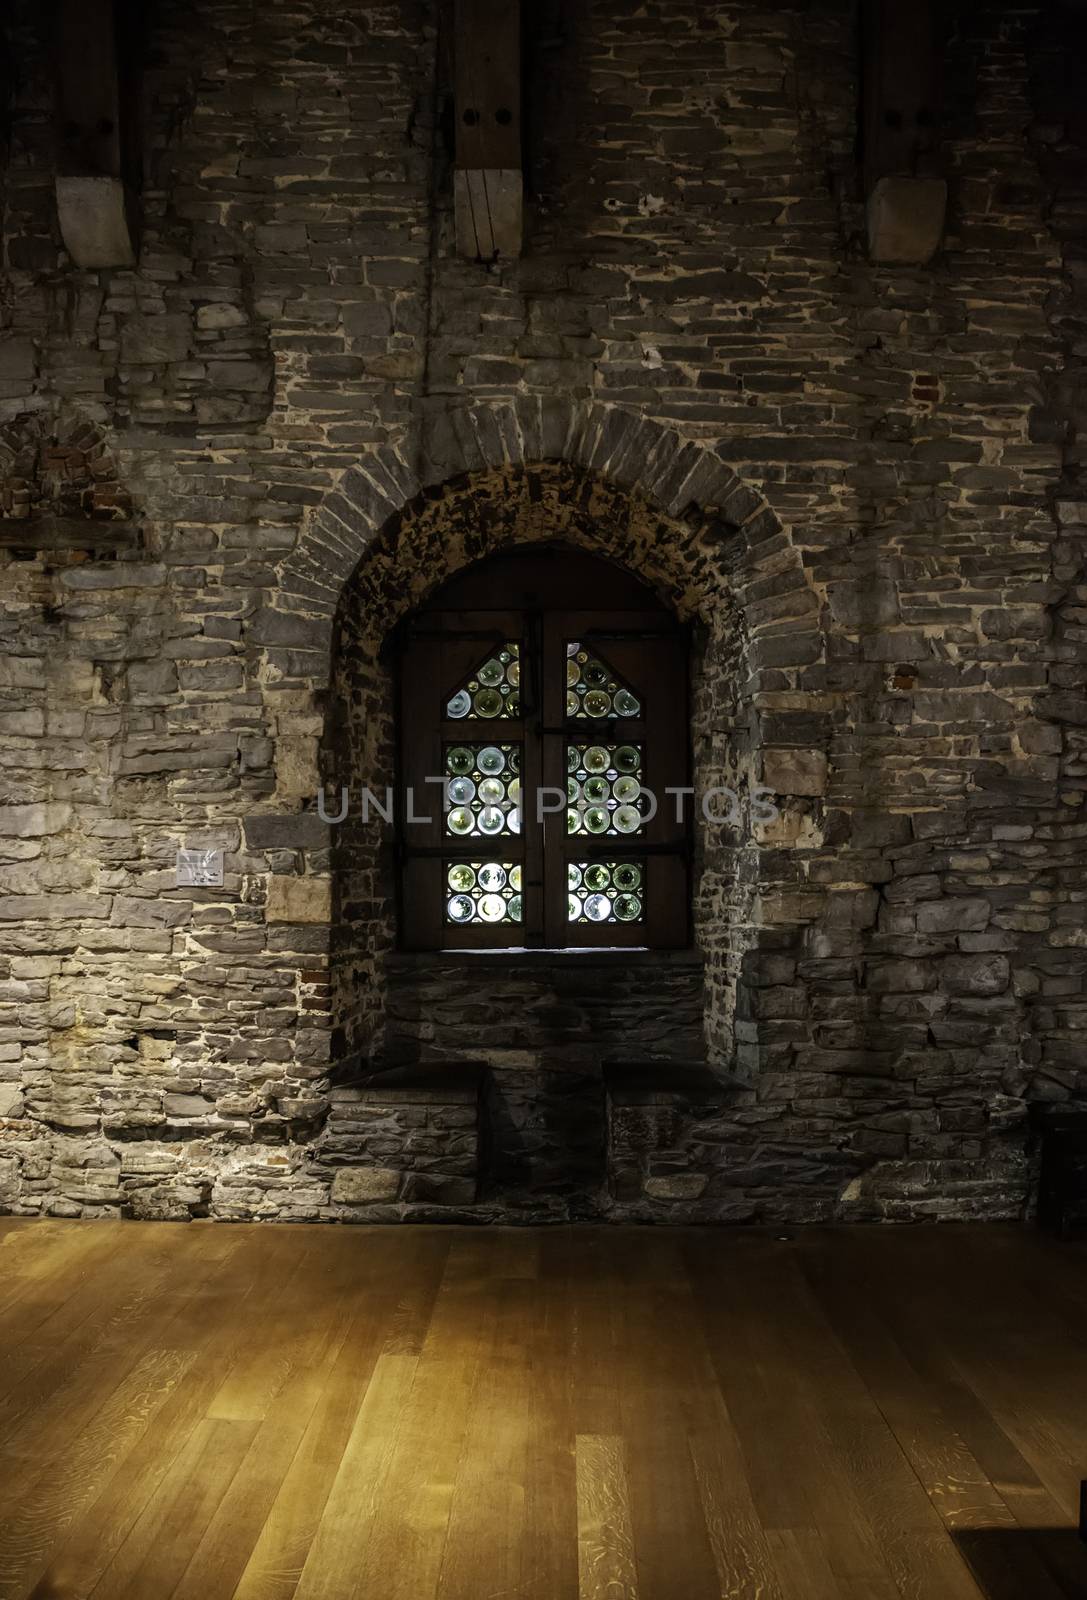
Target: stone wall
875, 473
544, 1027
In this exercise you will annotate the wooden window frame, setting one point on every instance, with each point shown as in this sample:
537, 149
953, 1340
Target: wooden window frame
438, 649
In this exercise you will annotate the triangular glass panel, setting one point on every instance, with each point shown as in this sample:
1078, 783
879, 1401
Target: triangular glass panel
593, 690
493, 690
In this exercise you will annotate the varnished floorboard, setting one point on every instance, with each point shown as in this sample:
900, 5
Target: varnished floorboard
294, 1413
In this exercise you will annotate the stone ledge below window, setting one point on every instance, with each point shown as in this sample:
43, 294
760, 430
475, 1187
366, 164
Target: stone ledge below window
522, 960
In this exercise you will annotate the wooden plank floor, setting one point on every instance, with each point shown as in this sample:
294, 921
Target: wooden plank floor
599, 1414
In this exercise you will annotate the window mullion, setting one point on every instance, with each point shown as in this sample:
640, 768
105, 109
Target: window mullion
553, 744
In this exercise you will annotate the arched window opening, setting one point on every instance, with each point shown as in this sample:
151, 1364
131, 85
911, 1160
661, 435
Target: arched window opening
543, 760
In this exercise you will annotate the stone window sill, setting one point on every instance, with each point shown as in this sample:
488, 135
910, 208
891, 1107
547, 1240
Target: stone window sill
519, 960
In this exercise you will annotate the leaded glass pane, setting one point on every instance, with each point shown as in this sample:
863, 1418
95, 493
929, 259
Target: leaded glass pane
493, 690
482, 892
482, 790
605, 891
593, 690
604, 789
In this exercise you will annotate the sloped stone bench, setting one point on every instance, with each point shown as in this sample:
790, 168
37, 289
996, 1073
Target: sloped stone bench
654, 1111
405, 1137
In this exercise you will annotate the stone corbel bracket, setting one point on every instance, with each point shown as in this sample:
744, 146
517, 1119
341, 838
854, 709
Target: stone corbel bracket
96, 217
487, 182
97, 127
906, 220
901, 95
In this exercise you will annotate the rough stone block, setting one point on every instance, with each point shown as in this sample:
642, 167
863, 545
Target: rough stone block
115, 575
277, 830
152, 680
220, 315
33, 821
677, 1186
155, 340
975, 975
132, 912
186, 1105
900, 977
11, 1100
798, 772
287, 628
363, 1186
297, 770
965, 915
299, 900
30, 907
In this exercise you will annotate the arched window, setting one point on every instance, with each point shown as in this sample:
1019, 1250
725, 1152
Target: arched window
543, 735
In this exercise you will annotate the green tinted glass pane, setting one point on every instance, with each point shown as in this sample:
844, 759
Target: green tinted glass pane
482, 893
604, 789
482, 790
493, 690
605, 891
593, 691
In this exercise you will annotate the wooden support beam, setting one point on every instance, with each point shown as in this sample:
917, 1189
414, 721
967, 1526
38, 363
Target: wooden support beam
906, 194
488, 186
96, 164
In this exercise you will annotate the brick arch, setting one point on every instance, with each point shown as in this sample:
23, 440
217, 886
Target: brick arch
733, 543
671, 511
58, 465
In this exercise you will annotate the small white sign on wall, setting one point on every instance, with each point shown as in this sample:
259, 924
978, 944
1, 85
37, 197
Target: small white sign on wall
199, 869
